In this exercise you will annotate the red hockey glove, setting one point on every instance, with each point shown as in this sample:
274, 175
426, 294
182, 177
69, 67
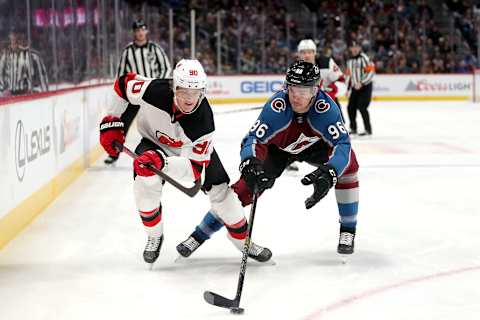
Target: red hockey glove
111, 129
153, 158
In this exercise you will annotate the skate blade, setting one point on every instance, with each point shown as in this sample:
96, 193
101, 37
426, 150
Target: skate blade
344, 258
180, 259
150, 266
266, 263
270, 263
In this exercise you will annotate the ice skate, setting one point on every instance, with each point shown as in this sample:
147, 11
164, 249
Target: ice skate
152, 249
187, 247
346, 242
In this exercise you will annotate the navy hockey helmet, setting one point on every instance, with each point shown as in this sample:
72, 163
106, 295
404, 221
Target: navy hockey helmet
302, 73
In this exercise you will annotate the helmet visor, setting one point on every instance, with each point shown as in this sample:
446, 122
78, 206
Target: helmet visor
301, 91
188, 94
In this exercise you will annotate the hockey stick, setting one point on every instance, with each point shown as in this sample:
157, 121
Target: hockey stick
188, 191
220, 301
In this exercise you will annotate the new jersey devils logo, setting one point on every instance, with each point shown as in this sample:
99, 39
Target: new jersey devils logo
169, 141
322, 106
278, 105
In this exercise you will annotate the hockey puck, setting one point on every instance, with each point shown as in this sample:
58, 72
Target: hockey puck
236, 310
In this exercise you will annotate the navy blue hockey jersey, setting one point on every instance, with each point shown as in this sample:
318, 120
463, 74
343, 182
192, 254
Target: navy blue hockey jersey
277, 125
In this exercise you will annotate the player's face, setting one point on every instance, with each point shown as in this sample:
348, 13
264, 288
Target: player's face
307, 55
187, 99
300, 97
140, 34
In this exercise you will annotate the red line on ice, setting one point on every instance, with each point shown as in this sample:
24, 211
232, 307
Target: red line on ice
363, 295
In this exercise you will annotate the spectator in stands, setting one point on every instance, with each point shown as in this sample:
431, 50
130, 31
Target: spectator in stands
21, 69
401, 30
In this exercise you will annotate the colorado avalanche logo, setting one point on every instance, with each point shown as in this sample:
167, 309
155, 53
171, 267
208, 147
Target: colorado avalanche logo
278, 105
322, 106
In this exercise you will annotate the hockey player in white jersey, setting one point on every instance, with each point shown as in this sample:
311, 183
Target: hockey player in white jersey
330, 73
176, 125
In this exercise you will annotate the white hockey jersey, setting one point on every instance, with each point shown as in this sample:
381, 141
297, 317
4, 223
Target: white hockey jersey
329, 71
185, 138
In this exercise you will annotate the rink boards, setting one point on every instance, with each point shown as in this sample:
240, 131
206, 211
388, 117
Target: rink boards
45, 144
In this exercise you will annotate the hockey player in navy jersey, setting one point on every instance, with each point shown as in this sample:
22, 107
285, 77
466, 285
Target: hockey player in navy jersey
300, 123
330, 73
176, 125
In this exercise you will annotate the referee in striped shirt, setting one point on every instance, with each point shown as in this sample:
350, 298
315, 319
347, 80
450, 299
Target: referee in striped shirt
22, 70
145, 58
360, 71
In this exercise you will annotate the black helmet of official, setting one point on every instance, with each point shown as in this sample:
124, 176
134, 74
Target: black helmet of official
139, 23
302, 73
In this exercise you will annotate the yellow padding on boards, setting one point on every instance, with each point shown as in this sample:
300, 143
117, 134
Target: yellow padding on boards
22, 215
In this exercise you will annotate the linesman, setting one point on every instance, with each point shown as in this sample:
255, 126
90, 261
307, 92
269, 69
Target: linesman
360, 71
143, 57
22, 70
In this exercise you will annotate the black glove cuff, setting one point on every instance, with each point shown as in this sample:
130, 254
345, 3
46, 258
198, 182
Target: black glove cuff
330, 170
248, 162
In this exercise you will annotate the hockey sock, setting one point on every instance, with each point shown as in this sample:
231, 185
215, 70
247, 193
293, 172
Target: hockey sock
348, 214
238, 230
347, 195
209, 225
152, 220
344, 228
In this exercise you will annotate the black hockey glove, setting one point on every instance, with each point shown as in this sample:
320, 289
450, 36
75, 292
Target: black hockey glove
255, 176
322, 179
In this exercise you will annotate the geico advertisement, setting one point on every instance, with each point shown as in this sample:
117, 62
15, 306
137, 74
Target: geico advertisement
383, 85
32, 156
423, 85
243, 86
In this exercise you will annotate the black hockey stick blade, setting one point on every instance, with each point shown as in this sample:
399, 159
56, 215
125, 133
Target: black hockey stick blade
218, 300
192, 191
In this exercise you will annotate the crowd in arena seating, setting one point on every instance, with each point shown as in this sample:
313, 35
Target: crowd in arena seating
404, 36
